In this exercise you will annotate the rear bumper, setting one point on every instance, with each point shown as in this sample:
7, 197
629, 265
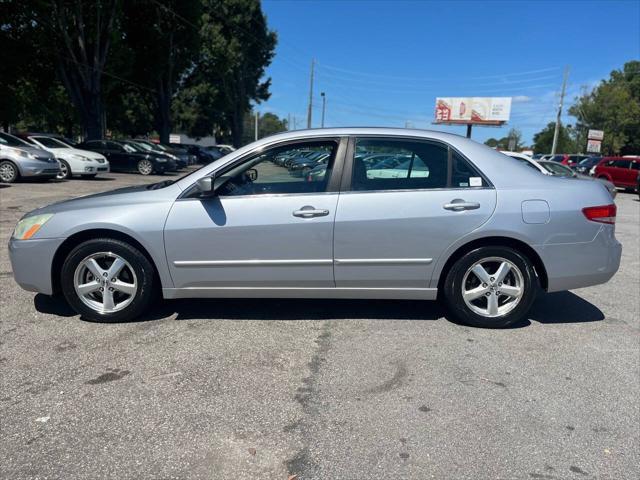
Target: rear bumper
31, 262
577, 265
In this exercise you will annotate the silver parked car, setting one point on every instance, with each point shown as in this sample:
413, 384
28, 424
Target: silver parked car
19, 159
461, 221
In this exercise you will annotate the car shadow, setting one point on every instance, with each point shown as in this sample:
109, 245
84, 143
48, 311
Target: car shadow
564, 307
552, 308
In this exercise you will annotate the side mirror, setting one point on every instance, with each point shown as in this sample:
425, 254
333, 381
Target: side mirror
205, 186
252, 174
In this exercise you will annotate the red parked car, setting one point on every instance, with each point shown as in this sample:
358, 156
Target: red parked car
623, 172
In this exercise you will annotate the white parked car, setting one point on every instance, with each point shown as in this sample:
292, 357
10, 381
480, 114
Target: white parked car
73, 161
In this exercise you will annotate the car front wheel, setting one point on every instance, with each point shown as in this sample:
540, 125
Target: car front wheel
107, 280
491, 287
8, 172
65, 170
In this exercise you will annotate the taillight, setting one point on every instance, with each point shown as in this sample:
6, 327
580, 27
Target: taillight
602, 213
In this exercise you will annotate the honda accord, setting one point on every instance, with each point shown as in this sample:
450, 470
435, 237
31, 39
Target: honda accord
456, 220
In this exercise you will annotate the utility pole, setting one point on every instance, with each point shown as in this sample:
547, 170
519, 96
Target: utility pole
556, 132
256, 125
313, 64
289, 121
324, 104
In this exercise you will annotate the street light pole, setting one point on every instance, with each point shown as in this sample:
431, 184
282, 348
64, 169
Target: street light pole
324, 104
256, 125
310, 107
556, 132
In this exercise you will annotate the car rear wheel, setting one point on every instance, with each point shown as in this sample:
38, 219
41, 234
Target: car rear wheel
145, 167
491, 287
65, 170
107, 280
8, 172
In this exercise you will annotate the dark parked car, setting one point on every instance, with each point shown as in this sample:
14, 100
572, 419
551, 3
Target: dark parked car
179, 156
621, 171
202, 155
124, 157
587, 164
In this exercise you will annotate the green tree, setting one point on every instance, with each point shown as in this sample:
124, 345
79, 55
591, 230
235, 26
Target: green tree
268, 124
163, 39
236, 48
543, 140
614, 107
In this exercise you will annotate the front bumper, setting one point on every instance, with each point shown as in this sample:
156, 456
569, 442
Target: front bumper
31, 262
94, 168
578, 265
37, 168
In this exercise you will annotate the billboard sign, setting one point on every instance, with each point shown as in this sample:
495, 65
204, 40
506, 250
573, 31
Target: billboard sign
473, 110
593, 146
595, 135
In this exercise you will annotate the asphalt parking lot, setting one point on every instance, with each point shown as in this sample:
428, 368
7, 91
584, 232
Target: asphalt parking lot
267, 389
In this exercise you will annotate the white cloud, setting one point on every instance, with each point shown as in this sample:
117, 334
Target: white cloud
521, 99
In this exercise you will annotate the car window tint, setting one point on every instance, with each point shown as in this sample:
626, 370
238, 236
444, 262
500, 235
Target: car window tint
635, 165
463, 174
384, 164
301, 168
622, 163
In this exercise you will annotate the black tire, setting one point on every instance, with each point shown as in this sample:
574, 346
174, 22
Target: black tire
145, 167
142, 268
65, 170
9, 172
453, 288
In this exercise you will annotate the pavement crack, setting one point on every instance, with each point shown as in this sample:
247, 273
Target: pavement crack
302, 462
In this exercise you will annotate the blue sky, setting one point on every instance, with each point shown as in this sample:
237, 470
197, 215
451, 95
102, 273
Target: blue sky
383, 63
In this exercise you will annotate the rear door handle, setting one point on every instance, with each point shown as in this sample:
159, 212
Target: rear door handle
309, 212
459, 205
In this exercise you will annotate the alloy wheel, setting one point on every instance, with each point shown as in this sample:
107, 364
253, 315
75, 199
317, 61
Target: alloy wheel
145, 167
492, 287
7, 172
64, 171
105, 282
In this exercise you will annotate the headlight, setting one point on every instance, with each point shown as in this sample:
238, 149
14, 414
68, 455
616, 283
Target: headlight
160, 159
80, 157
24, 154
27, 227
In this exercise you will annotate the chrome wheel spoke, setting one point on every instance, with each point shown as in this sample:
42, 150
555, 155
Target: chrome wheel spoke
128, 288
502, 272
87, 288
510, 291
481, 273
475, 293
107, 300
116, 267
94, 268
492, 304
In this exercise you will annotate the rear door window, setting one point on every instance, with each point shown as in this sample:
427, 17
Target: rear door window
409, 164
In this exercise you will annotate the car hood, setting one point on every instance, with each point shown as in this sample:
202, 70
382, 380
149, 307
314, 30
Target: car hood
62, 152
121, 197
38, 152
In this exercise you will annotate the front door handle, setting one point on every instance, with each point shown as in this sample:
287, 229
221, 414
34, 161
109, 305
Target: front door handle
458, 205
309, 212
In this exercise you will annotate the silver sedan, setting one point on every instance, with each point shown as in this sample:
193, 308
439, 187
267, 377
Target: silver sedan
451, 219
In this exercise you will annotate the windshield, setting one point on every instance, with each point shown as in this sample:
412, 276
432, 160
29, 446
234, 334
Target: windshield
132, 147
50, 142
557, 169
11, 141
589, 161
144, 146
